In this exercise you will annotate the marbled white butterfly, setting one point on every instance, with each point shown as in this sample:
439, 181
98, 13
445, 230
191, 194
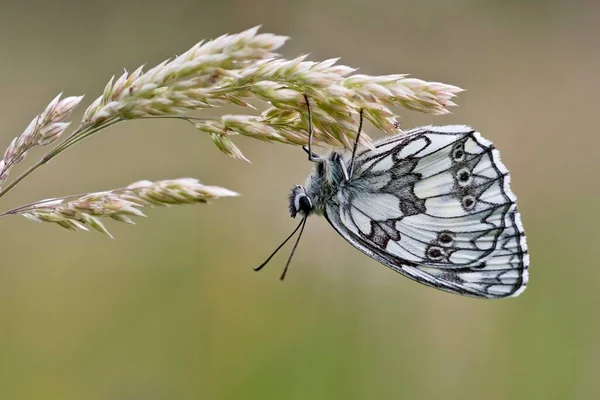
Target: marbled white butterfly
433, 204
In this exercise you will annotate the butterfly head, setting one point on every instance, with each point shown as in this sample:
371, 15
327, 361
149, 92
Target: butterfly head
300, 202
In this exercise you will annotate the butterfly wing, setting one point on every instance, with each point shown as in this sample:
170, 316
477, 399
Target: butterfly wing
435, 205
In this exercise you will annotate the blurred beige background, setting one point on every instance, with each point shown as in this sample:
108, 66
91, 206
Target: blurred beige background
171, 309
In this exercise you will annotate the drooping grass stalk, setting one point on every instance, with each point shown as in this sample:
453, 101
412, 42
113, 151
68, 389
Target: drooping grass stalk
171, 88
241, 69
78, 212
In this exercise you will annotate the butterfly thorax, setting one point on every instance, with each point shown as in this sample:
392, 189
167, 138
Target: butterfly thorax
328, 176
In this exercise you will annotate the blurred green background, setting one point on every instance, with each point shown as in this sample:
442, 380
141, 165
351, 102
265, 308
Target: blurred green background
171, 309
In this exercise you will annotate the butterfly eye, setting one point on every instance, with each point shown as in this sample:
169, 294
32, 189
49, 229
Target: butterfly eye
299, 201
304, 204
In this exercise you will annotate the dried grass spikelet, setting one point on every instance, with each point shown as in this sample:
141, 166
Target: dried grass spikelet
235, 69
43, 130
83, 211
336, 96
184, 83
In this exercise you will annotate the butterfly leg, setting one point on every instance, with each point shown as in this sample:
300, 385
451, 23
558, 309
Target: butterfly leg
311, 156
360, 124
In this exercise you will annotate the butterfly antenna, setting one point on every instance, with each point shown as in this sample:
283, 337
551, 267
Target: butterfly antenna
310, 129
287, 264
360, 124
280, 246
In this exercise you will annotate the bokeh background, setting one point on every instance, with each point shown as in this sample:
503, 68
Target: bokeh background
171, 309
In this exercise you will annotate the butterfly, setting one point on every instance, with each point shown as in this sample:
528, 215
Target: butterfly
433, 204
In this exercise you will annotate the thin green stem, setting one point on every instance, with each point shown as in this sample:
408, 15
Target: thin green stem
79, 135
22, 208
41, 162
33, 205
76, 136
179, 117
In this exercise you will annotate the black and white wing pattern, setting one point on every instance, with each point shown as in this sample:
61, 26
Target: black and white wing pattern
435, 205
